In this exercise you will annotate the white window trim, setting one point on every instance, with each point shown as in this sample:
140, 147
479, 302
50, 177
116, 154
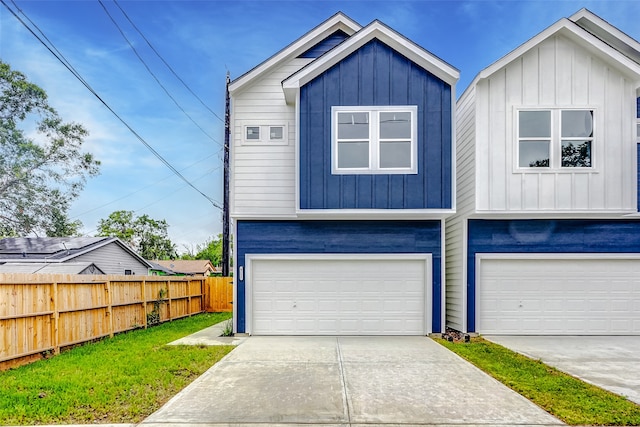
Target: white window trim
374, 140
265, 134
555, 144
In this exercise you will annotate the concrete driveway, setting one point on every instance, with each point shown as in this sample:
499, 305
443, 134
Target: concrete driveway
346, 381
609, 362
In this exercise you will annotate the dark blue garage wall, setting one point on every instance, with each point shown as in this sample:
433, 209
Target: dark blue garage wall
273, 237
545, 236
376, 75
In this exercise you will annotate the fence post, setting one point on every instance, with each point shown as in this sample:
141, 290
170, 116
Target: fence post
56, 318
169, 300
144, 303
109, 307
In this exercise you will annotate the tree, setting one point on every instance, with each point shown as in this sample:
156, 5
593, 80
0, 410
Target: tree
211, 250
41, 175
146, 236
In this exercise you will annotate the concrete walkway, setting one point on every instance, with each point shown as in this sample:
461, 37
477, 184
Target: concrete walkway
609, 362
346, 381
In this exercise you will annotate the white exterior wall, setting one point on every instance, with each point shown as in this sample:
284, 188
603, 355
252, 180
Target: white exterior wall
455, 228
263, 175
556, 74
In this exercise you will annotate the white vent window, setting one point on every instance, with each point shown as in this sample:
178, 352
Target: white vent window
265, 134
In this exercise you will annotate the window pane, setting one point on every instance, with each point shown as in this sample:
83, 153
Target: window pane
577, 123
353, 154
534, 154
576, 154
353, 125
253, 132
276, 132
395, 125
535, 124
395, 154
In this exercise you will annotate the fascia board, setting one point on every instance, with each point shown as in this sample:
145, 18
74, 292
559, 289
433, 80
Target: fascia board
590, 21
574, 32
339, 21
377, 30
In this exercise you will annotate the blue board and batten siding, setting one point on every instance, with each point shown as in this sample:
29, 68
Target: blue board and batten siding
325, 45
376, 75
545, 236
339, 237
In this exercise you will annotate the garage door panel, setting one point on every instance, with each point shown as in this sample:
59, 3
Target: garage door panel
559, 296
339, 297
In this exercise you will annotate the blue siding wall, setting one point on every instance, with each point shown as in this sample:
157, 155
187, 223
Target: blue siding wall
325, 45
376, 75
545, 236
272, 237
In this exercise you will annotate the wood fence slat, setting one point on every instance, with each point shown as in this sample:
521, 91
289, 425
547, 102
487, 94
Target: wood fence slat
40, 313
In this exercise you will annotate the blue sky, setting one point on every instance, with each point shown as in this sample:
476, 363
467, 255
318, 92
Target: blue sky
201, 41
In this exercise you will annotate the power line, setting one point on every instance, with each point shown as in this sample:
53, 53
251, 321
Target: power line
76, 74
165, 62
135, 51
143, 188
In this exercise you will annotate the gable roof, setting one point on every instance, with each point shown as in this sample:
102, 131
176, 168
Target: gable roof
56, 249
338, 22
375, 30
578, 34
197, 266
608, 33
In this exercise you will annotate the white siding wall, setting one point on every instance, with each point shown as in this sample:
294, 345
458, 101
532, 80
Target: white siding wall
263, 175
556, 74
113, 259
455, 226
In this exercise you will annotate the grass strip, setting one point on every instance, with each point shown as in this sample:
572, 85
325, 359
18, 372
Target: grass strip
119, 380
563, 396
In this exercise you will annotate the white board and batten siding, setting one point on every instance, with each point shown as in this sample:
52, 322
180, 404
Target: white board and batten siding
563, 294
557, 73
264, 173
455, 226
323, 294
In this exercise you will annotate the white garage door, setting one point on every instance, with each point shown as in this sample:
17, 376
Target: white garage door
559, 296
339, 296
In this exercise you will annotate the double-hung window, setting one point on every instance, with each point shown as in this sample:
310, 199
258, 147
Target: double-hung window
374, 140
555, 138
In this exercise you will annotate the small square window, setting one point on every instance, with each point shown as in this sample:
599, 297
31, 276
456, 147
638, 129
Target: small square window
276, 133
534, 154
253, 133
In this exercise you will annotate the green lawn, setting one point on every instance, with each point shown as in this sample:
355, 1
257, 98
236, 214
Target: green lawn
122, 379
567, 398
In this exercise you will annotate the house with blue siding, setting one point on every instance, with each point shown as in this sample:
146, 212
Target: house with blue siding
342, 175
546, 237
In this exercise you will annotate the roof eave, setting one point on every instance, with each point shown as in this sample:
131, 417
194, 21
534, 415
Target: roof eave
572, 31
339, 21
375, 30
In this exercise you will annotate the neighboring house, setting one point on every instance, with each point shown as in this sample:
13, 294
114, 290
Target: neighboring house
49, 268
342, 160
546, 239
108, 255
183, 267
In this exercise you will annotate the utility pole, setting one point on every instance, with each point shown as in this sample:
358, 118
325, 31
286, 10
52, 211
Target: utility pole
225, 207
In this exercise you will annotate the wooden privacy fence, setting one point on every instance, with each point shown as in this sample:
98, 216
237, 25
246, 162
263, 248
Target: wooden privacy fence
42, 313
218, 294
